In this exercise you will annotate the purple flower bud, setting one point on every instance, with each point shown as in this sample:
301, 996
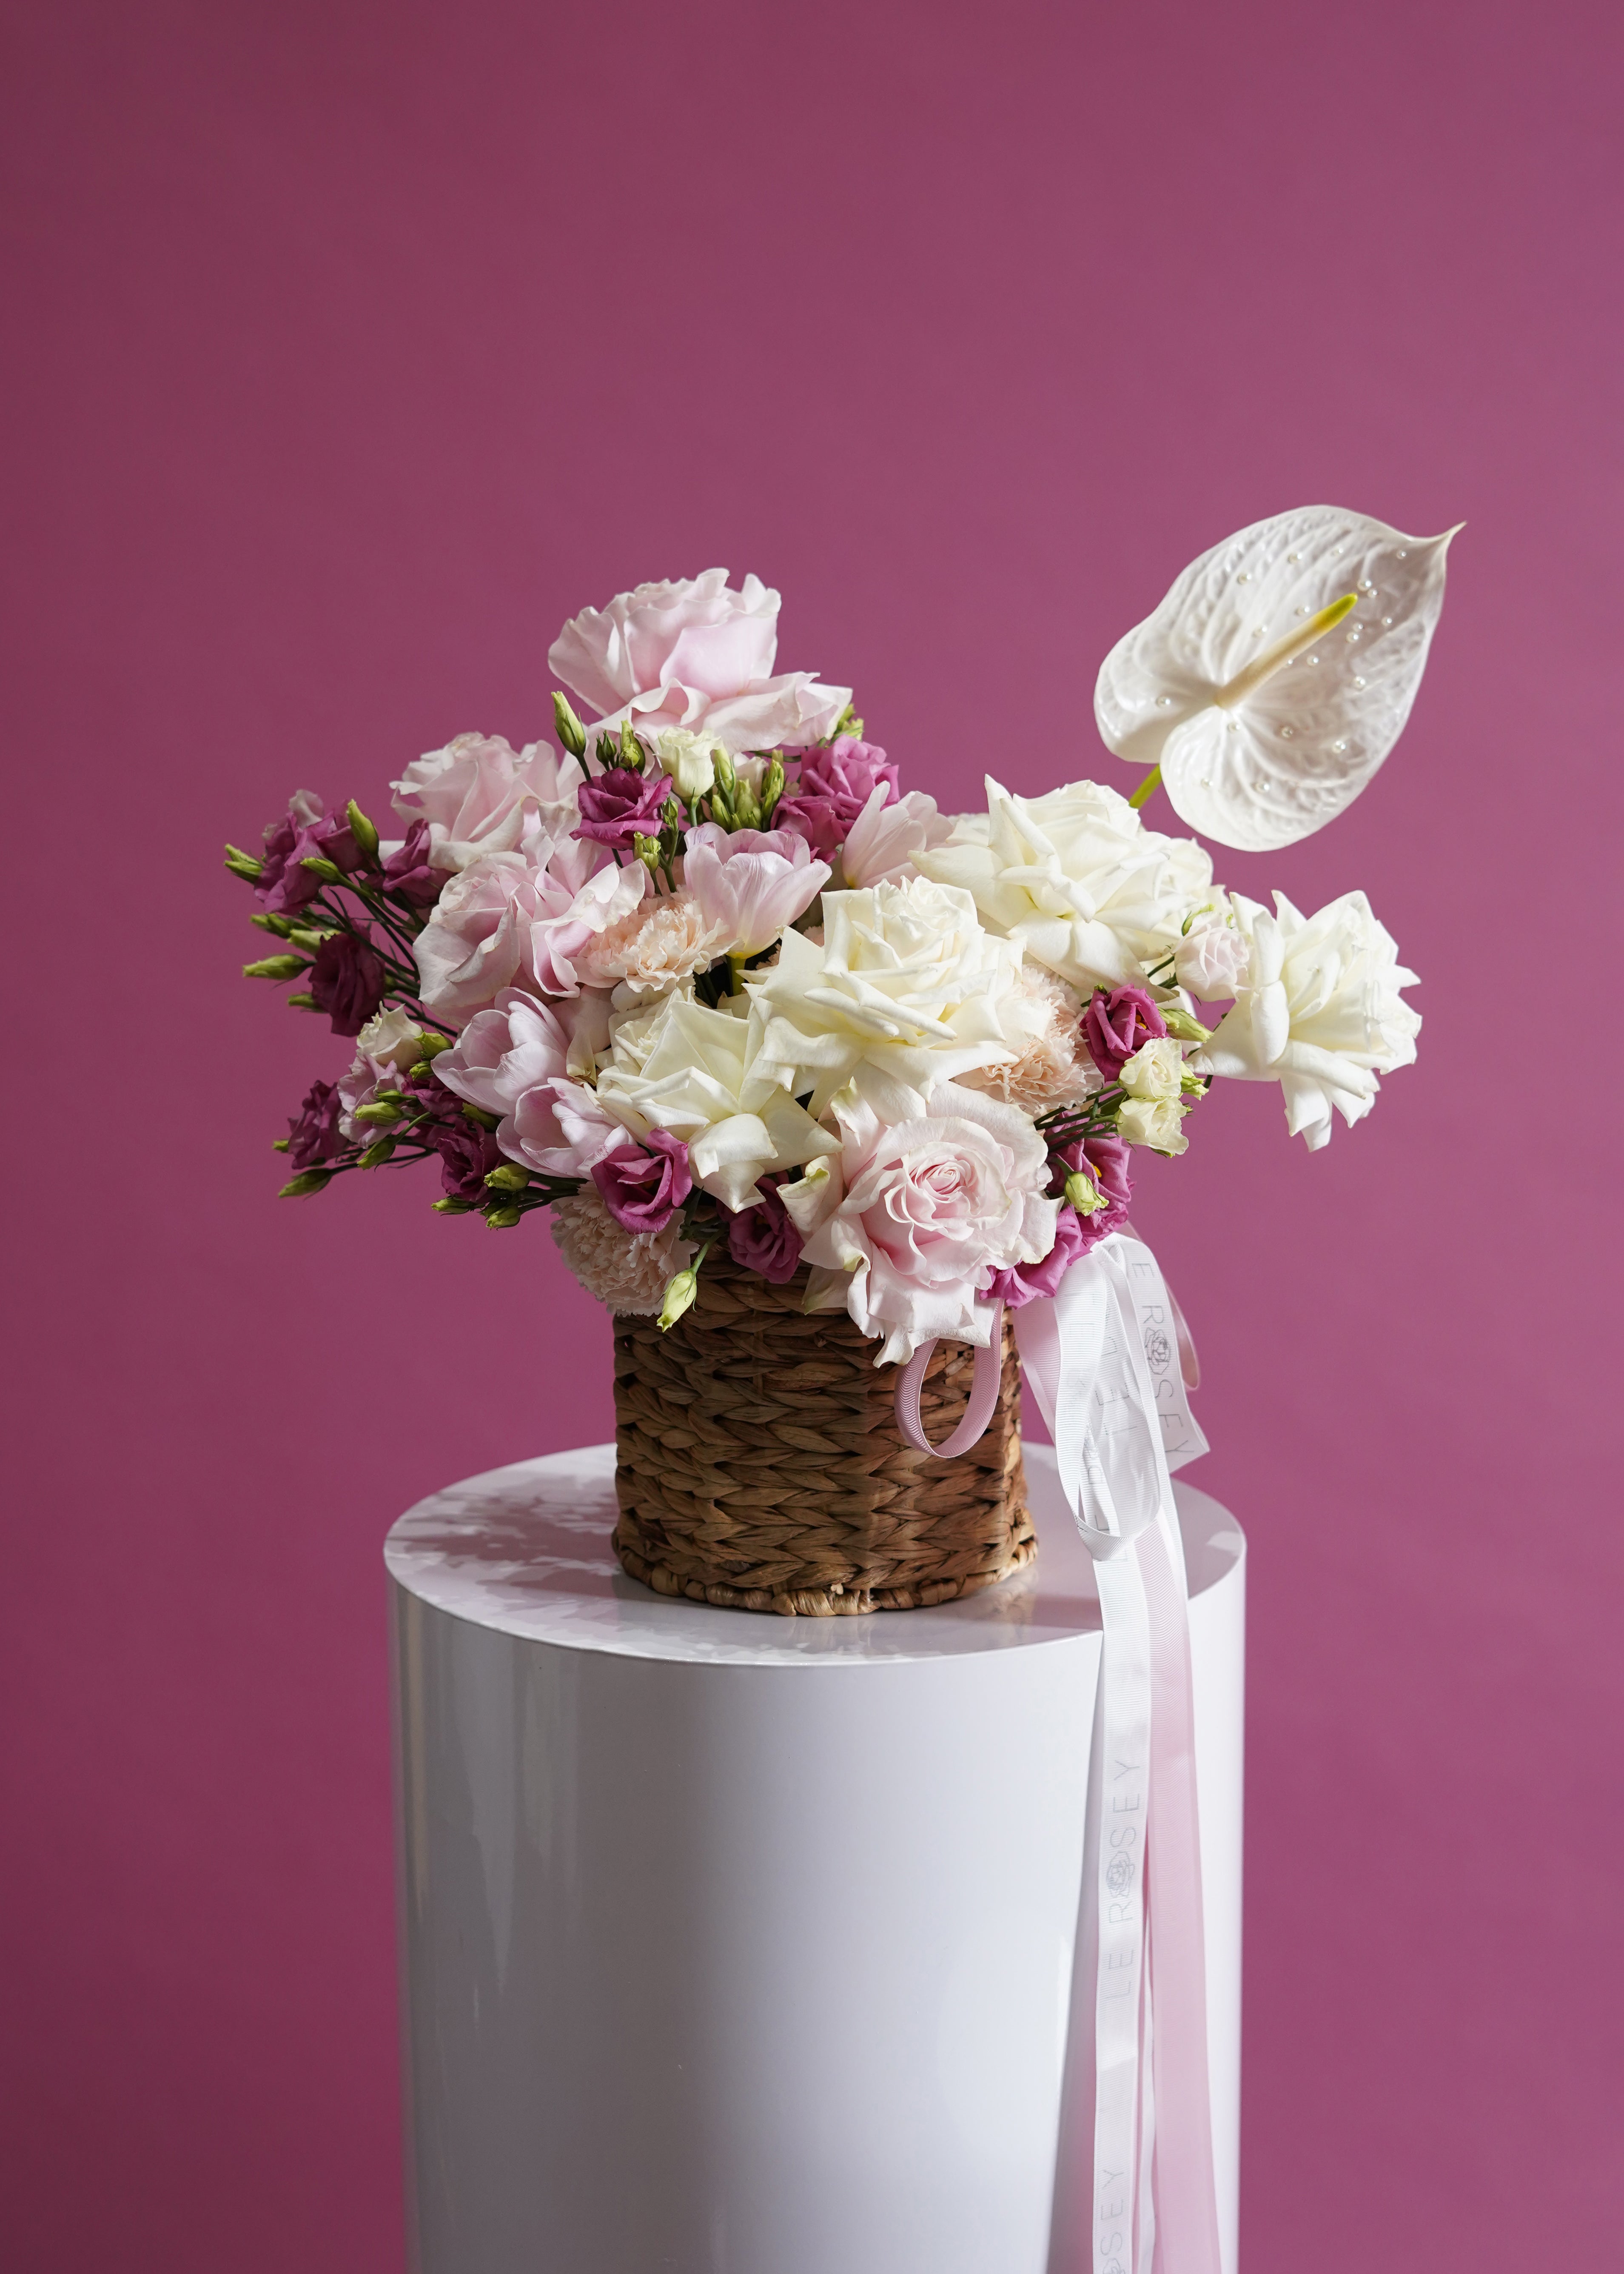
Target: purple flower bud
347, 981
642, 1186
620, 805
1118, 1025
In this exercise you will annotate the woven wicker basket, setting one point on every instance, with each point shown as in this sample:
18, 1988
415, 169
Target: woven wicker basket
761, 1468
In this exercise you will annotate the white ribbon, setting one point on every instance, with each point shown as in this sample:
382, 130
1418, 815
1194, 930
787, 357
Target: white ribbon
1103, 1360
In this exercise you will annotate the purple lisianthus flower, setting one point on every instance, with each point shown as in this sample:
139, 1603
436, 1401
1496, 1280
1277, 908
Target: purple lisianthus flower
347, 981
467, 1152
1021, 1283
315, 1135
407, 870
763, 1239
836, 784
284, 886
1107, 1158
642, 1186
1117, 1024
619, 805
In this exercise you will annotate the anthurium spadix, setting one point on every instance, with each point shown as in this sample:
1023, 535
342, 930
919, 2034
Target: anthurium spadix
1277, 674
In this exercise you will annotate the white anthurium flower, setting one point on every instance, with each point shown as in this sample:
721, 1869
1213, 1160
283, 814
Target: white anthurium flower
1277, 674
698, 1073
1076, 876
906, 981
1320, 1012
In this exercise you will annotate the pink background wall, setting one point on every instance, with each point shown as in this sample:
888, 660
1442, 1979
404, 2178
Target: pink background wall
353, 346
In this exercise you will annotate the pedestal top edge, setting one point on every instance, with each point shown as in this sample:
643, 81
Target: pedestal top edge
526, 1550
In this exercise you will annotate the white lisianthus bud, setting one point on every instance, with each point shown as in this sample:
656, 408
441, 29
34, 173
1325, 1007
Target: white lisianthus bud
1155, 1073
1156, 1122
688, 760
680, 1294
1084, 1193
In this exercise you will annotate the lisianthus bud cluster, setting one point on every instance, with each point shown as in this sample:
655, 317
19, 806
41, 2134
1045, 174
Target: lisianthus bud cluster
701, 978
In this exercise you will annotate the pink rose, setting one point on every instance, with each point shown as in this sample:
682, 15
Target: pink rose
919, 1214
514, 1061
698, 655
479, 796
749, 884
501, 923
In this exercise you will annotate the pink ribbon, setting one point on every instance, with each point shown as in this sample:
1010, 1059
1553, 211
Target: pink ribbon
1099, 1345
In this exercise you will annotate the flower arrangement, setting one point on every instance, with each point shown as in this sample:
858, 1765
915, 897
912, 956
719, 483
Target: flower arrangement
702, 973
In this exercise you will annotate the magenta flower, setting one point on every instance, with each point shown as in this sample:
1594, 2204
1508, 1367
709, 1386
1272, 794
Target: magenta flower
835, 785
1117, 1024
619, 805
347, 981
763, 1239
315, 1135
1074, 1235
467, 1153
407, 870
285, 885
1108, 1158
643, 1187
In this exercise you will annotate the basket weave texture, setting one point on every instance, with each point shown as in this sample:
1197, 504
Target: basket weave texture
760, 1466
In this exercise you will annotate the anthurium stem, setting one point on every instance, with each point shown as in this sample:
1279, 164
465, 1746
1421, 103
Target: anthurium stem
1146, 789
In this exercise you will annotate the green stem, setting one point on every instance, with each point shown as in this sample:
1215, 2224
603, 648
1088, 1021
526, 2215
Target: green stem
1146, 789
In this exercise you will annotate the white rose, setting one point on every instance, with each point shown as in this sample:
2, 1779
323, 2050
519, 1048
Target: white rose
696, 1073
1155, 1073
1211, 957
1319, 1011
1077, 876
905, 980
696, 655
1156, 1122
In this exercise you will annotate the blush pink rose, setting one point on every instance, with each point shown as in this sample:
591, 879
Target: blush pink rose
479, 796
695, 654
919, 1214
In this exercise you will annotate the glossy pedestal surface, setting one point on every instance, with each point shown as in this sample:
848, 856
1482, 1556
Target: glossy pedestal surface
742, 1945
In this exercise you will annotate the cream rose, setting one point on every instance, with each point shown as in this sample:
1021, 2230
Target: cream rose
1078, 878
906, 981
1319, 1011
699, 1074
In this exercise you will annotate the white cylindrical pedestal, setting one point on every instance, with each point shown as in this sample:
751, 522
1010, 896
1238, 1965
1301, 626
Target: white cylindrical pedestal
740, 1944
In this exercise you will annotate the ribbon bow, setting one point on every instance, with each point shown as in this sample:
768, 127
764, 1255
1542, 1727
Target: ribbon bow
1102, 1357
